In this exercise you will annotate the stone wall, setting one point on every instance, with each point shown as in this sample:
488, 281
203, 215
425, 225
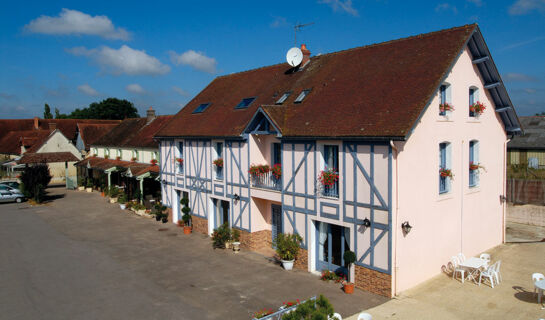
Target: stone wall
526, 214
256, 240
373, 281
200, 224
302, 260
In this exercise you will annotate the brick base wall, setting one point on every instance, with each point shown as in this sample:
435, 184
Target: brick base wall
256, 240
169, 213
302, 260
373, 281
200, 224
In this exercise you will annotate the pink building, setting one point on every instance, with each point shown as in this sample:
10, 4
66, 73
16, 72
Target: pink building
380, 117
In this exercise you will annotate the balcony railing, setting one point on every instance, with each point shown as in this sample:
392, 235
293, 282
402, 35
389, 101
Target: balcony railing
266, 181
331, 191
219, 173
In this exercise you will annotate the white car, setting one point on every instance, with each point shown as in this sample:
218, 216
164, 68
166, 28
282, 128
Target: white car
9, 194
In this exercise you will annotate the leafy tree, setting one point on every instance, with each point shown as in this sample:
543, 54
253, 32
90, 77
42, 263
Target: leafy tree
47, 112
34, 180
59, 115
111, 108
540, 114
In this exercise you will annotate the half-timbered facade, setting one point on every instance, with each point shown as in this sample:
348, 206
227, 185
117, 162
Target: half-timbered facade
372, 116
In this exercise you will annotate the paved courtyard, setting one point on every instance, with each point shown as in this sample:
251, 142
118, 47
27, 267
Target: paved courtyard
79, 257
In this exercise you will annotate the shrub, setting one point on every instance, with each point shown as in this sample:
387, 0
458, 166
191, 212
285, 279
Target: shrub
122, 198
349, 259
34, 180
186, 210
113, 192
221, 235
137, 195
235, 235
321, 310
287, 245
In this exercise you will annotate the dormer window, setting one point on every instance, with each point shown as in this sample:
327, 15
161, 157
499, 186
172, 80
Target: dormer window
283, 97
302, 96
201, 108
245, 103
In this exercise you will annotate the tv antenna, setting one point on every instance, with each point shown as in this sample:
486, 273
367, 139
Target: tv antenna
298, 27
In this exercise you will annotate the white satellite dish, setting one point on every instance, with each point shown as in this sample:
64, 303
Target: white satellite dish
294, 56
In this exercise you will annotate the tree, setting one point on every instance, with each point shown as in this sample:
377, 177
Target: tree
47, 112
59, 115
111, 108
34, 180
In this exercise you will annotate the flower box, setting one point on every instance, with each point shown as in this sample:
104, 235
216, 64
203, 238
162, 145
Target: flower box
329, 177
477, 108
153, 161
259, 169
180, 160
218, 162
277, 171
444, 107
445, 173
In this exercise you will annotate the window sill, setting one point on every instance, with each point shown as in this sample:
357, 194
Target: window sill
217, 179
473, 120
444, 119
473, 189
444, 196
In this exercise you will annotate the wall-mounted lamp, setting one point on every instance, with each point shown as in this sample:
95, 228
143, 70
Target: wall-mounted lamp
163, 181
237, 197
503, 198
406, 227
366, 223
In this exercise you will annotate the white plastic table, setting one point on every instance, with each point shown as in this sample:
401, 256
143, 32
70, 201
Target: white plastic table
474, 265
541, 286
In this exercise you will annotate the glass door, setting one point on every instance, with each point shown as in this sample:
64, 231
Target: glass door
332, 241
276, 222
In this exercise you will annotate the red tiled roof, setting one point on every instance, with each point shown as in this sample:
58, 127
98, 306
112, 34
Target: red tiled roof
135, 133
90, 133
12, 141
373, 91
47, 157
137, 168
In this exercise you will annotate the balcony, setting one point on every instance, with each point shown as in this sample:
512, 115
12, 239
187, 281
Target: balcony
266, 181
331, 191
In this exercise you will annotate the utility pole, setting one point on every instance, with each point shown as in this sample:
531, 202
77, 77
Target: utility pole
298, 27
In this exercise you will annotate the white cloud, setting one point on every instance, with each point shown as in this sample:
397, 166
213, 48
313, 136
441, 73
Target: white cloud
180, 91
339, 5
78, 23
446, 7
88, 90
135, 88
522, 43
124, 60
197, 60
530, 90
526, 6
517, 77
279, 22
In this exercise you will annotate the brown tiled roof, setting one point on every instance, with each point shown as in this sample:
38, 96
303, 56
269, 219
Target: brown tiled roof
12, 141
137, 168
374, 91
47, 157
90, 133
135, 133
66, 126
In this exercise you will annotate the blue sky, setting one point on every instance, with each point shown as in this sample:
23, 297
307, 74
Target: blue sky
161, 54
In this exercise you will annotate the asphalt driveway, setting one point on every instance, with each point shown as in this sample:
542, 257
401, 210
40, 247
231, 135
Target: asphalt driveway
79, 257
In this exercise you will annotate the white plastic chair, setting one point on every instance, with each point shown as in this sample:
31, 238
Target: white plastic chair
485, 256
365, 316
489, 273
336, 316
535, 278
456, 269
461, 257
497, 270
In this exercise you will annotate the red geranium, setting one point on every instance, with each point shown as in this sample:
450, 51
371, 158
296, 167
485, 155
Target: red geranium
328, 177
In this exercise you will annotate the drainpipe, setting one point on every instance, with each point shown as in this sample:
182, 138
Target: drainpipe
394, 289
462, 171
504, 189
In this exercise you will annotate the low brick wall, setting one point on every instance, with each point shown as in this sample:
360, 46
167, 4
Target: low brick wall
373, 281
526, 214
302, 260
200, 224
256, 240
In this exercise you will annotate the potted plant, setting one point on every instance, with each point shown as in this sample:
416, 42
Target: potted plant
89, 186
186, 218
446, 173
277, 171
235, 235
102, 190
477, 108
287, 248
445, 107
180, 161
118, 158
258, 170
474, 166
221, 235
114, 193
153, 162
81, 187
140, 209
122, 200
349, 259
218, 162
328, 177
262, 313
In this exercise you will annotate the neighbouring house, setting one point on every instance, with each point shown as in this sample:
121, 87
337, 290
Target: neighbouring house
529, 148
351, 150
89, 133
127, 157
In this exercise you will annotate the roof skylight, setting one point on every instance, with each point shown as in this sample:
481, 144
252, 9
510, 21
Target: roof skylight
201, 108
283, 97
302, 96
245, 103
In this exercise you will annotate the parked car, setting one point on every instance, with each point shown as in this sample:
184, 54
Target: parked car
9, 194
12, 184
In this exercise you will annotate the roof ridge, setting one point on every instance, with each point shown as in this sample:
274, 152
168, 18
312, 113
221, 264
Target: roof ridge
360, 47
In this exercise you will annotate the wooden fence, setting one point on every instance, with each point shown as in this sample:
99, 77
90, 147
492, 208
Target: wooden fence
526, 191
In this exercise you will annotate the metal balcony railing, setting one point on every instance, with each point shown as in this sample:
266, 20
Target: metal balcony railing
219, 173
331, 191
266, 181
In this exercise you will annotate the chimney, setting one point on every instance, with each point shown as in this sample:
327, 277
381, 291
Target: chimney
52, 126
150, 115
306, 55
36, 123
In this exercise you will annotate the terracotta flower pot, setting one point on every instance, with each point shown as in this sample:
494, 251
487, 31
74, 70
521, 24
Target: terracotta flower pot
102, 193
348, 288
187, 230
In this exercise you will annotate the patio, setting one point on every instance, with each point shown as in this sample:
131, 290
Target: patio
445, 298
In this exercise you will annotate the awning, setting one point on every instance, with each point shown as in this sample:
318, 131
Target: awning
131, 169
